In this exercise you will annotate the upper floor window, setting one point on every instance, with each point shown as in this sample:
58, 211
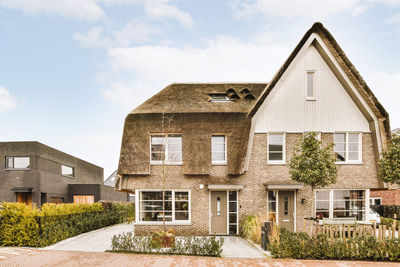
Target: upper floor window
67, 171
276, 148
167, 147
348, 147
310, 85
17, 163
219, 98
218, 149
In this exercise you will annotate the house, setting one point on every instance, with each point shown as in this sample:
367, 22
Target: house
110, 182
390, 195
200, 157
36, 173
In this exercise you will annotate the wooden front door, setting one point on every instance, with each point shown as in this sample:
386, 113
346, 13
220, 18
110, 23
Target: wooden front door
24, 197
219, 213
286, 209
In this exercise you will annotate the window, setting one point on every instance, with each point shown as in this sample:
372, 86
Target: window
272, 206
276, 148
310, 85
173, 206
233, 210
21, 163
375, 201
340, 204
348, 147
167, 147
83, 199
218, 149
67, 171
219, 98
58, 200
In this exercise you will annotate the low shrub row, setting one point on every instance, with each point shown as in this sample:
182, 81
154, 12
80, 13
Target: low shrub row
302, 246
188, 245
22, 225
389, 222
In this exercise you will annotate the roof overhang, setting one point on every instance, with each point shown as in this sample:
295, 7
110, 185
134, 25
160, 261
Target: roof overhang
283, 186
224, 186
22, 189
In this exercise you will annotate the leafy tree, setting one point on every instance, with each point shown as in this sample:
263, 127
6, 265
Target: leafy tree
389, 164
312, 164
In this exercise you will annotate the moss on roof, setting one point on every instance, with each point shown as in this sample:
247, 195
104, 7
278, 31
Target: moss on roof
195, 98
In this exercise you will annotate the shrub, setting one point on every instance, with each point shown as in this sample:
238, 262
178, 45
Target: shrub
189, 245
389, 222
302, 246
18, 225
250, 228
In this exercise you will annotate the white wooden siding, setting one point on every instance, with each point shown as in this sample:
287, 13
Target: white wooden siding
286, 108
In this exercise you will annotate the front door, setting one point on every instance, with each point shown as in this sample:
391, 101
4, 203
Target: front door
286, 209
218, 213
24, 197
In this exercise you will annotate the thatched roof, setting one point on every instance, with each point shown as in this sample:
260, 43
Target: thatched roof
345, 63
195, 98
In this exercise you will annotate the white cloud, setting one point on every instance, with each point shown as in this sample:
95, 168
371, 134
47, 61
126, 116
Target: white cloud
148, 69
315, 9
80, 9
386, 88
93, 38
7, 101
161, 9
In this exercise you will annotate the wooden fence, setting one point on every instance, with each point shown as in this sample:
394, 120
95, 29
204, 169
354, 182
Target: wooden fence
344, 231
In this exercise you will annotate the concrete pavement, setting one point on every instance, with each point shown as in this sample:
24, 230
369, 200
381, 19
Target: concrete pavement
95, 241
237, 247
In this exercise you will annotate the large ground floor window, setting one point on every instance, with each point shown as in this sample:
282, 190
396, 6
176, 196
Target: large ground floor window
168, 206
340, 203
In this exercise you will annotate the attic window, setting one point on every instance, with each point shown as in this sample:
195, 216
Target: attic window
231, 91
219, 98
234, 96
245, 91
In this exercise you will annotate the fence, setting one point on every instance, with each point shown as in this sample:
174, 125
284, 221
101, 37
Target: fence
343, 231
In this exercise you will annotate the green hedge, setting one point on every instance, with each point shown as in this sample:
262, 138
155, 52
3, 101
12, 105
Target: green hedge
188, 245
387, 211
302, 246
21, 225
389, 222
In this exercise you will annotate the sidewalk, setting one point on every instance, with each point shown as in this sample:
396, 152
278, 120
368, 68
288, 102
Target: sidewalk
95, 241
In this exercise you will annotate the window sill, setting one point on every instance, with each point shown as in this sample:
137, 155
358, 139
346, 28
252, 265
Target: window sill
219, 164
17, 169
349, 163
167, 163
276, 163
161, 223
67, 176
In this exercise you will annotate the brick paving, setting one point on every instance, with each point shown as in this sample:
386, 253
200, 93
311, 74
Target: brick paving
36, 257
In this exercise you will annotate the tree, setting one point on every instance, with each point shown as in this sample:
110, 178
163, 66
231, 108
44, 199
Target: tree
312, 164
389, 164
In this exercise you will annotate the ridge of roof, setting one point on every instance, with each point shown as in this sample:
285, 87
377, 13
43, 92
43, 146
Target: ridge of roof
319, 29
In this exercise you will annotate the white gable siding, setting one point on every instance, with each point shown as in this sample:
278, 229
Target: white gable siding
286, 108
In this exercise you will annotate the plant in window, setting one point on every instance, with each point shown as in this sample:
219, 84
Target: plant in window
389, 164
312, 164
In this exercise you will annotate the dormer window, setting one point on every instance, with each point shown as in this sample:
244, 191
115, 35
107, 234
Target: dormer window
219, 98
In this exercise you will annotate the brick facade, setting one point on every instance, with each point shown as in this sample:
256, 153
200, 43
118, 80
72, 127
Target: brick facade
253, 196
389, 196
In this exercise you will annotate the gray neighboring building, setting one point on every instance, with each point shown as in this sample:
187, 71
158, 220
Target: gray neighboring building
110, 182
36, 173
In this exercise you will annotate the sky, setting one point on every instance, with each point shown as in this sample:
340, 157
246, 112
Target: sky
71, 70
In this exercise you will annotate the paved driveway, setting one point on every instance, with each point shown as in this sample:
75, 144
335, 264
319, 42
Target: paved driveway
98, 259
94, 241
237, 247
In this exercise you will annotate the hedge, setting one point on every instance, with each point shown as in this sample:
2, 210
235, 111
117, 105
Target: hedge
389, 222
188, 245
302, 246
22, 225
387, 211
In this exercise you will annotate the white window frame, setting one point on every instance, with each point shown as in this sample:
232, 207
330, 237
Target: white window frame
218, 162
166, 162
347, 161
173, 222
331, 198
310, 98
13, 163
226, 98
373, 199
65, 175
276, 205
277, 162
